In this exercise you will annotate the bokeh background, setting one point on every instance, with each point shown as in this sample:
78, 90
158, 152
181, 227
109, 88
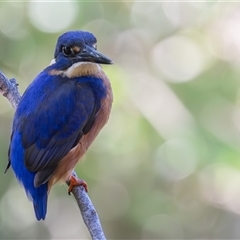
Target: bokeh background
167, 165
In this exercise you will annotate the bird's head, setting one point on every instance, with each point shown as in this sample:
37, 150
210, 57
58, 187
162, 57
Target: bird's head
76, 47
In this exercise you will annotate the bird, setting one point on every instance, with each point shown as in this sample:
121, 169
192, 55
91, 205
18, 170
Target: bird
58, 117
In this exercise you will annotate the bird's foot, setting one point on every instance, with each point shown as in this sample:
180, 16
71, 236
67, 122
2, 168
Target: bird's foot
74, 182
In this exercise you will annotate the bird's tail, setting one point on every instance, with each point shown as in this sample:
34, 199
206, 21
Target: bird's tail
40, 203
37, 195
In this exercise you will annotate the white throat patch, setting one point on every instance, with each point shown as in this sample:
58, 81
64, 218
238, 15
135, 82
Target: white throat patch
78, 69
82, 69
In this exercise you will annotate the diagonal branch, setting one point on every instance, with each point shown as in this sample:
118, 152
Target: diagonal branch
9, 89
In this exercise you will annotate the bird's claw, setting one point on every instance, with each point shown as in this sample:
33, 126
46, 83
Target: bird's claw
74, 182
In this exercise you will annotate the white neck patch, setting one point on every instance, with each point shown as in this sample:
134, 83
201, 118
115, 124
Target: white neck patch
52, 62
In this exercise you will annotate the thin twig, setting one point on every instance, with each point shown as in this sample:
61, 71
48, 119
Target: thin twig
9, 89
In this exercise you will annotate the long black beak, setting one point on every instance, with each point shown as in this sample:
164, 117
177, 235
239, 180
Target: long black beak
89, 54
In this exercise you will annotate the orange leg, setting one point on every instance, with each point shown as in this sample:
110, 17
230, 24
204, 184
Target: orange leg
74, 182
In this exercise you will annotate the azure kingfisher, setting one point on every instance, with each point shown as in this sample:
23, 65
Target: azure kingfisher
59, 116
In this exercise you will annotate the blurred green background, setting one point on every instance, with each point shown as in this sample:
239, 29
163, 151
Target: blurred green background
167, 164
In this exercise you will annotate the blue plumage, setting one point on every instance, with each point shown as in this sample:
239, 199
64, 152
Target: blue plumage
37, 195
54, 113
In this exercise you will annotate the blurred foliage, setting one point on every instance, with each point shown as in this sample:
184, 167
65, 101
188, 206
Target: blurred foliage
167, 165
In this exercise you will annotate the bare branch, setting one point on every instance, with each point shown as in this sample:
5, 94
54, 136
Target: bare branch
9, 89
89, 214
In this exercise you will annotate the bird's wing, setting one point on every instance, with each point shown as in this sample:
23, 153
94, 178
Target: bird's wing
54, 125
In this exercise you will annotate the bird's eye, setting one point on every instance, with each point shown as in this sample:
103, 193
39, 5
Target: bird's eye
67, 51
